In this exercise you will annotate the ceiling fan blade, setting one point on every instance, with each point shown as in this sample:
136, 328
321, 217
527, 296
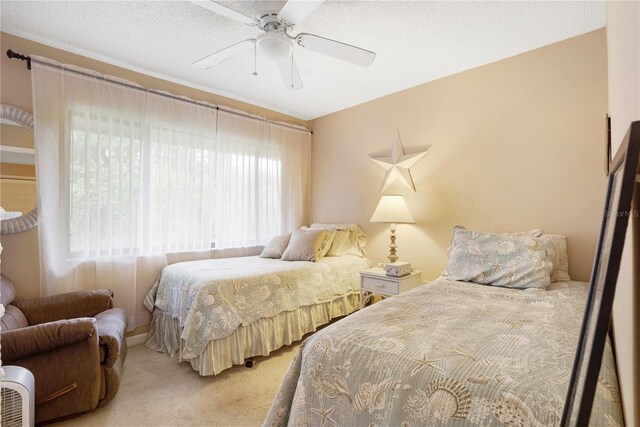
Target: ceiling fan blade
224, 11
290, 74
337, 49
294, 11
224, 54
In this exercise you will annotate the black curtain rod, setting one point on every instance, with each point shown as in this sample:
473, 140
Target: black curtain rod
14, 55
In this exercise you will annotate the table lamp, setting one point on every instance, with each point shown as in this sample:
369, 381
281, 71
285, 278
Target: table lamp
392, 209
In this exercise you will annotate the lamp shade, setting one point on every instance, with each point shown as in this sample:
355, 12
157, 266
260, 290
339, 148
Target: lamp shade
393, 209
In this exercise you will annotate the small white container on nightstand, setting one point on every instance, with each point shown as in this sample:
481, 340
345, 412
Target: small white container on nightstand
398, 269
374, 281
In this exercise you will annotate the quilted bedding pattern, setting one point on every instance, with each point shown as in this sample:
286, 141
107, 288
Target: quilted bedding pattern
446, 354
212, 298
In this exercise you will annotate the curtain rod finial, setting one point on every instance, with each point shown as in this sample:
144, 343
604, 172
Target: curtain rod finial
14, 55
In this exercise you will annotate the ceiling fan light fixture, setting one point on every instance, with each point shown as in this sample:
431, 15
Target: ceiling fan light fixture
276, 43
273, 46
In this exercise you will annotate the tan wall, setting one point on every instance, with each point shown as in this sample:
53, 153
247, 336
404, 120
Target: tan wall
623, 46
517, 144
20, 254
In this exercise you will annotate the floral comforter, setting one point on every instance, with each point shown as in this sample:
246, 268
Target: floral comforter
212, 298
446, 354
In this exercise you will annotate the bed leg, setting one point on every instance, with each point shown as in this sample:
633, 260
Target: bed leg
249, 362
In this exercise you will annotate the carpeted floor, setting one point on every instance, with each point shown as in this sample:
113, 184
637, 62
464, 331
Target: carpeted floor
158, 391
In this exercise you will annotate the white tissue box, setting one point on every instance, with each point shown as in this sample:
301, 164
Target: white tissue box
398, 269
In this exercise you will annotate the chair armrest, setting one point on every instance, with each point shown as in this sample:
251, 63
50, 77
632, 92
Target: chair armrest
65, 306
32, 340
112, 325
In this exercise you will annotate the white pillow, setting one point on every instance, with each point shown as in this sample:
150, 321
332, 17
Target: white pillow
328, 241
356, 240
341, 243
305, 245
276, 247
536, 232
560, 270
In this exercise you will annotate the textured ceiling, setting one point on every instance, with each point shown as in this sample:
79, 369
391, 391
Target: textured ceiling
415, 42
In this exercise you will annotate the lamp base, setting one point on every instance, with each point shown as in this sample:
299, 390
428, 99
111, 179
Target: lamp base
392, 247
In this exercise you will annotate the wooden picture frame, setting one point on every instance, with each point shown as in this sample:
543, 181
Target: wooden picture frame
597, 315
607, 154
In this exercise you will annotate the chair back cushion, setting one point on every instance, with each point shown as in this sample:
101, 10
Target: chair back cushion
7, 290
13, 318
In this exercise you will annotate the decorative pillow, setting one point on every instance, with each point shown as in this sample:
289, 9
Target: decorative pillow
560, 271
276, 247
328, 241
535, 232
355, 242
507, 260
305, 245
341, 243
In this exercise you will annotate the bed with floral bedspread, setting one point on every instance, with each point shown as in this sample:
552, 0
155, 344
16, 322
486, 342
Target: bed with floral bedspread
446, 354
217, 312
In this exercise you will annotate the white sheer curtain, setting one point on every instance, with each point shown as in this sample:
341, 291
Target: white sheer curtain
126, 176
261, 166
295, 154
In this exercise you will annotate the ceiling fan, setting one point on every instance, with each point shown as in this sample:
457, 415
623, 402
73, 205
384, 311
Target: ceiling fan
276, 42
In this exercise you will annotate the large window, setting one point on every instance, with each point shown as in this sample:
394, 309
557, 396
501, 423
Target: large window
155, 188
128, 177
105, 167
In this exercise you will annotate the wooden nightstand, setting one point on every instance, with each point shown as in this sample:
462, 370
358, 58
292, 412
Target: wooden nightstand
374, 281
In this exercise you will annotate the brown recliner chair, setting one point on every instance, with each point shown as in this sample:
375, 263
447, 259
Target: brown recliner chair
72, 343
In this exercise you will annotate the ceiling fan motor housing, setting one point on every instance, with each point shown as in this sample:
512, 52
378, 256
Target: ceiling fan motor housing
271, 22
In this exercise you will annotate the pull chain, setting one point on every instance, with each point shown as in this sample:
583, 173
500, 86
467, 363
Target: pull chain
291, 69
255, 59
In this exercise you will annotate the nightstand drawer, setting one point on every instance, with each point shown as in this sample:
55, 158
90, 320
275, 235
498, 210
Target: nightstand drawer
374, 281
380, 285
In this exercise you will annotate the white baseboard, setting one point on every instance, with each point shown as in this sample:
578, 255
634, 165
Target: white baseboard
136, 339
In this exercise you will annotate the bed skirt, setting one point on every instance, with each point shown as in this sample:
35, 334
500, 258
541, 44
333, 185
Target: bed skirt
257, 339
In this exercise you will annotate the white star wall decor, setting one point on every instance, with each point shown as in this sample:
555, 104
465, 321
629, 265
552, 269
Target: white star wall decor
397, 166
